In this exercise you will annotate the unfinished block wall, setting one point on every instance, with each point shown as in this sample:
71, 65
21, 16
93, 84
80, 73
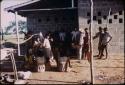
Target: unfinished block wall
52, 20
101, 18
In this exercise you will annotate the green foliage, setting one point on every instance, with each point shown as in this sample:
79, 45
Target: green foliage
12, 27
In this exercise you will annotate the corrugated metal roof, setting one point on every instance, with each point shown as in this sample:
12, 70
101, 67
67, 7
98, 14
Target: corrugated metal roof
12, 8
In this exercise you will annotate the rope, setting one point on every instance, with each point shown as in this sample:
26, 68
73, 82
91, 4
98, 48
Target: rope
28, 39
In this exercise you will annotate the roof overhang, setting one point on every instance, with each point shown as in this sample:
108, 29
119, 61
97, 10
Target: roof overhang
13, 8
42, 5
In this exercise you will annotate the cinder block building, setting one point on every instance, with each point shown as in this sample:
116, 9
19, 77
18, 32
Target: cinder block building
50, 15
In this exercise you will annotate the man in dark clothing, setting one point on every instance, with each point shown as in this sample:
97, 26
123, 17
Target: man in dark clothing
99, 35
65, 48
86, 43
55, 46
68, 42
105, 40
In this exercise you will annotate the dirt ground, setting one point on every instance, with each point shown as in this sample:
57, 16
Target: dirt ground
109, 71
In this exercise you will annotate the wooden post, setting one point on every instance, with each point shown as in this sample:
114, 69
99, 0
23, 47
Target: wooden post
91, 44
0, 23
2, 33
17, 32
14, 65
108, 17
72, 3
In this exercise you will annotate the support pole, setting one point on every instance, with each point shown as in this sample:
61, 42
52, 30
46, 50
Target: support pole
17, 32
91, 45
108, 17
14, 65
2, 33
0, 24
72, 3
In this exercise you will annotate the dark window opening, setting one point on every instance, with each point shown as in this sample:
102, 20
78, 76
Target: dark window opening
39, 20
94, 17
110, 21
72, 18
88, 13
115, 16
88, 21
120, 12
75, 3
63, 18
104, 17
111, 13
99, 13
99, 21
48, 19
56, 19
120, 20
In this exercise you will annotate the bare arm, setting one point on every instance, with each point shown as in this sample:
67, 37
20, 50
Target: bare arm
97, 35
110, 38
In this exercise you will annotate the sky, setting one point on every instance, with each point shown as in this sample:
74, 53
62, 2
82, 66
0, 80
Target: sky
6, 17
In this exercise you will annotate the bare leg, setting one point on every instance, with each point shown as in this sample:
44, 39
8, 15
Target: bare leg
106, 52
80, 53
85, 55
69, 62
101, 52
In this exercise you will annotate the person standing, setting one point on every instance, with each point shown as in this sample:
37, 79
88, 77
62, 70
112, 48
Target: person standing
62, 35
74, 34
86, 44
106, 38
81, 42
99, 35
47, 48
55, 46
75, 41
67, 43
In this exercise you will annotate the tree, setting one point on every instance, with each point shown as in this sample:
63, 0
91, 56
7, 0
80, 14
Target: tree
12, 27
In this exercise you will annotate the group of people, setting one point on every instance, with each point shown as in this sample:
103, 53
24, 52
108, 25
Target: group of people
66, 43
104, 39
60, 43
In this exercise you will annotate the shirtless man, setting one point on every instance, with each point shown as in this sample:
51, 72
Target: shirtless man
106, 38
99, 35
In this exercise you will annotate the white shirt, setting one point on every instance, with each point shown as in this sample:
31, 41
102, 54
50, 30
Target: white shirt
62, 36
41, 35
74, 33
81, 38
46, 43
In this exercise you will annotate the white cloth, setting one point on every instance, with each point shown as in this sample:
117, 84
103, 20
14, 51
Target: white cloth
62, 36
36, 43
25, 75
82, 35
74, 34
106, 38
41, 35
46, 43
4, 53
80, 53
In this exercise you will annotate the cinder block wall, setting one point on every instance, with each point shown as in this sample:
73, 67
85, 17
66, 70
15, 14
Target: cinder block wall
115, 24
52, 20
